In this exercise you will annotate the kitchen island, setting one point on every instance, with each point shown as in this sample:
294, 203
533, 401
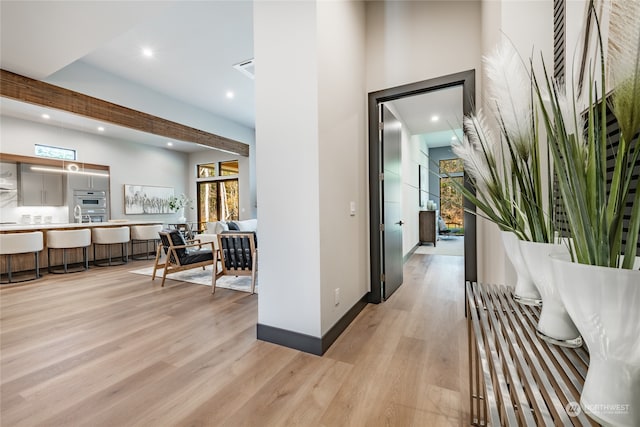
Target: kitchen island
25, 262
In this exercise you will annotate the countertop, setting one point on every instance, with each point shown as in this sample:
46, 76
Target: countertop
61, 226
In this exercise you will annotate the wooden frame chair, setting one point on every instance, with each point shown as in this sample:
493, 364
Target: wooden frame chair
180, 255
238, 256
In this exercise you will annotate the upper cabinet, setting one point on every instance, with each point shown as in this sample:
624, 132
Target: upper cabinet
40, 188
88, 182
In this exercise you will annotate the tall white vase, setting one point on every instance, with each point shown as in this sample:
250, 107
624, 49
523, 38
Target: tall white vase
605, 305
181, 218
525, 291
555, 324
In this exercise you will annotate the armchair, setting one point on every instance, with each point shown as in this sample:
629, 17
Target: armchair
181, 255
238, 256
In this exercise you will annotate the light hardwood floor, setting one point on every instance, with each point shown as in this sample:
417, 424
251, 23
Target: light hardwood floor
111, 348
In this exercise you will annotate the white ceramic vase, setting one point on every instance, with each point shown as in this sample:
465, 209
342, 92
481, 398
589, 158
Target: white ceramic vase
605, 305
525, 291
181, 218
555, 324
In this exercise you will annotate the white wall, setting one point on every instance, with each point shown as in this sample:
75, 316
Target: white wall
129, 162
410, 41
342, 119
287, 169
311, 162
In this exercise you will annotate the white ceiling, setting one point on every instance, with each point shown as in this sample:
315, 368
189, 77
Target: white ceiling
195, 43
417, 111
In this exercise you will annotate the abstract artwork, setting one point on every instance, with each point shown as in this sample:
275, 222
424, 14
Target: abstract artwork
146, 199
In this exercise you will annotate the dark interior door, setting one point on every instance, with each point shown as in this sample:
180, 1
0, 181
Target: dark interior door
392, 203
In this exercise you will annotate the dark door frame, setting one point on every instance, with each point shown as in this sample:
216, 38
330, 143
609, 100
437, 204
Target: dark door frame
467, 80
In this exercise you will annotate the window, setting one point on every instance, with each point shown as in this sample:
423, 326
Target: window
207, 170
218, 200
451, 201
55, 152
229, 168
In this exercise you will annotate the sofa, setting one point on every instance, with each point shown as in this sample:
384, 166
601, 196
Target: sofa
217, 227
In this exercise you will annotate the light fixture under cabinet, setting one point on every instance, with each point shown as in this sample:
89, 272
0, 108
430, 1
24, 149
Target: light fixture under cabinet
70, 170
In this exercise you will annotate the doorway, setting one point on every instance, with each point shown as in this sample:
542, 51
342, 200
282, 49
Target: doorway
380, 259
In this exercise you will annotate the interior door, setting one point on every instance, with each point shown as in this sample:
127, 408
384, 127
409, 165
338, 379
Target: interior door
392, 203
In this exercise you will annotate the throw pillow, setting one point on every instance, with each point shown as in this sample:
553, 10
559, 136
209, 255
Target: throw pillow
248, 225
233, 226
220, 227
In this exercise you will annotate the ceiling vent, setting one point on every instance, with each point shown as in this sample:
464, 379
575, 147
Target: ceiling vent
247, 68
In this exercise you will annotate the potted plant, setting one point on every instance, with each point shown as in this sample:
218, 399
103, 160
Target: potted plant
514, 186
597, 282
178, 203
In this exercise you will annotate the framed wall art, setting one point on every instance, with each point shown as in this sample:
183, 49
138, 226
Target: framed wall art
147, 199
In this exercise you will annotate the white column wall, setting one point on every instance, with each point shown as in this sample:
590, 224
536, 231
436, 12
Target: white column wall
343, 157
287, 157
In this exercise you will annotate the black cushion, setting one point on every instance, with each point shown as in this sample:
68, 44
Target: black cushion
193, 257
236, 251
255, 235
233, 226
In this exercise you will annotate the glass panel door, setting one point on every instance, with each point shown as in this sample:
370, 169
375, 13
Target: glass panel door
207, 201
218, 201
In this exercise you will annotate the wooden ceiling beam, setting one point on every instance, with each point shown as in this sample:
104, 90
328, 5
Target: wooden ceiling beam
36, 92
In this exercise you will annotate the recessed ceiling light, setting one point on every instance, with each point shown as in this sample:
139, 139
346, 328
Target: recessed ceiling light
170, 144
230, 94
100, 129
453, 138
46, 116
147, 52
435, 118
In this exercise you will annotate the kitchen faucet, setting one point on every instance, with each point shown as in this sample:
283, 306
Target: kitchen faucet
77, 213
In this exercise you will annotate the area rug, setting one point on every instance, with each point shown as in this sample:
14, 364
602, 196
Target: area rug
203, 277
451, 245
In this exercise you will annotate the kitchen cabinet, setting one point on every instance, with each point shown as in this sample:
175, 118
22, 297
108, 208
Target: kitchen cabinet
88, 182
40, 188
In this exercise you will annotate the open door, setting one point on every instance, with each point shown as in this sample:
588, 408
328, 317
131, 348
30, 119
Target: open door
381, 242
392, 203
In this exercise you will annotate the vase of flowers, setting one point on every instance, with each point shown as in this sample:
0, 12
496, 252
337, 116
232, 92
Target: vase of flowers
178, 204
503, 157
597, 279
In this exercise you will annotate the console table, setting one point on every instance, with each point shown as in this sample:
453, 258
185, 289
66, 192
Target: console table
516, 378
427, 222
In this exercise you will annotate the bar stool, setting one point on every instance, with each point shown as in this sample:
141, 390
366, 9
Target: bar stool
145, 234
68, 239
21, 243
111, 236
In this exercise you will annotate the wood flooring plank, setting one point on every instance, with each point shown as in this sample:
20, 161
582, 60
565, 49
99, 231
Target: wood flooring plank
111, 348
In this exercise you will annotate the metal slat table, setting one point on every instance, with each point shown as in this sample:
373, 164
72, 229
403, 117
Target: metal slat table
516, 378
